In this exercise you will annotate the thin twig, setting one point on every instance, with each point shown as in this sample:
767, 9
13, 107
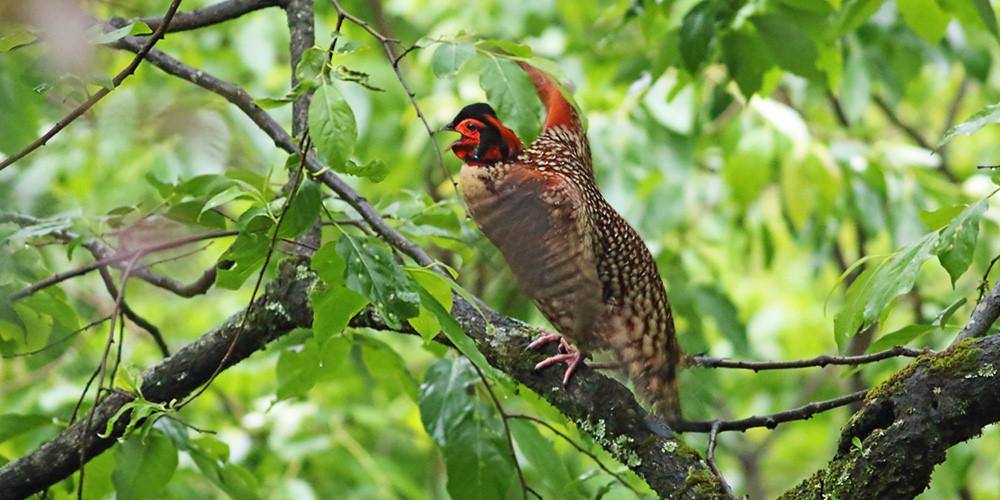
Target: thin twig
820, 361
115, 259
60, 341
579, 448
710, 457
102, 368
984, 284
395, 60
139, 321
770, 421
101, 251
983, 316
116, 81
506, 429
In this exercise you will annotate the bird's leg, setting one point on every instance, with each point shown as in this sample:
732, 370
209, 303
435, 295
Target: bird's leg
571, 355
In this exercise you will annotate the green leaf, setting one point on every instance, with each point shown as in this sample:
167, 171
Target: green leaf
374, 273
303, 211
456, 334
15, 36
855, 86
334, 305
230, 194
13, 424
856, 12
958, 240
311, 65
988, 16
19, 109
696, 34
297, 369
989, 114
946, 313
426, 324
900, 337
937, 219
505, 47
346, 74
746, 59
144, 466
434, 283
234, 480
469, 432
136, 28
297, 91
790, 47
247, 253
332, 127
925, 17
511, 93
479, 466
449, 58
300, 367
443, 397
875, 288
541, 454
375, 170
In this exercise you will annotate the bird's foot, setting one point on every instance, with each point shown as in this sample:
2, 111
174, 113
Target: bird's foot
570, 355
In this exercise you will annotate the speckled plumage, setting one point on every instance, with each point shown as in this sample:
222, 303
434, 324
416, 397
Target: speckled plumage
585, 267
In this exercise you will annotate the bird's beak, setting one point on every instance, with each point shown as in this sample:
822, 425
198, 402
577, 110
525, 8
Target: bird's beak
447, 128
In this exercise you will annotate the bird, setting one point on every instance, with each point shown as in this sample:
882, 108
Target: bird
586, 269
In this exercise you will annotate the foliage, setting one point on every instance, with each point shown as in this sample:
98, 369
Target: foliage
803, 171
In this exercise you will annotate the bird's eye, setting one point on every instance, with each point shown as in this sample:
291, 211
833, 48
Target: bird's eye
473, 126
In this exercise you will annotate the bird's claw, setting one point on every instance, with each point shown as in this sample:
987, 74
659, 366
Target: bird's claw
570, 355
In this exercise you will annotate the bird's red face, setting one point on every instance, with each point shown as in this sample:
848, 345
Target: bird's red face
484, 140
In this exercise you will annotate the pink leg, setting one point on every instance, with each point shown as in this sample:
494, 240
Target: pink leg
571, 356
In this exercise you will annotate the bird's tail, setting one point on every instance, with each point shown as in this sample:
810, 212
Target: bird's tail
663, 393
559, 111
653, 361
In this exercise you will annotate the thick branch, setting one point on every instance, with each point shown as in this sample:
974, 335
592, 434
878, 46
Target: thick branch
281, 309
909, 422
983, 317
212, 14
600, 406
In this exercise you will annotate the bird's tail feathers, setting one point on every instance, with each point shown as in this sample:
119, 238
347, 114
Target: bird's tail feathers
559, 111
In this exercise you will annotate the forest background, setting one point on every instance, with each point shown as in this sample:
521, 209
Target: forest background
813, 178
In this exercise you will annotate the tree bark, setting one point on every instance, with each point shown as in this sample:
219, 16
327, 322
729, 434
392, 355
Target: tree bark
909, 422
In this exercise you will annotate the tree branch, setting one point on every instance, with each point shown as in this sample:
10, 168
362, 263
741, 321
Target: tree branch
909, 422
242, 100
281, 309
212, 14
820, 361
983, 316
129, 313
770, 421
116, 81
100, 251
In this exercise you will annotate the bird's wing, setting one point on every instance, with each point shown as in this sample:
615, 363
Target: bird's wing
541, 225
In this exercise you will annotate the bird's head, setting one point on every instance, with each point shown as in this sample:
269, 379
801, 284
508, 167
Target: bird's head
484, 140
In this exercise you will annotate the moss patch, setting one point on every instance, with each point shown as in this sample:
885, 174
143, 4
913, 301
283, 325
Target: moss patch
957, 361
705, 485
